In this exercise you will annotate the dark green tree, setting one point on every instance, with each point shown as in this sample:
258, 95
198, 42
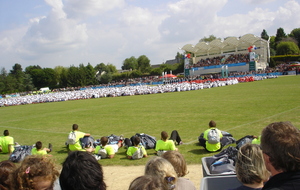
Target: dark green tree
144, 64
19, 75
264, 35
90, 75
106, 78
130, 63
208, 39
73, 77
280, 35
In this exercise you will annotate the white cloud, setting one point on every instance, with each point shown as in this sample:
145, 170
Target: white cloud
79, 9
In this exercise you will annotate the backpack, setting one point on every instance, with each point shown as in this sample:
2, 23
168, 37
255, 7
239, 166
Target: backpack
87, 142
147, 141
113, 139
138, 154
213, 137
20, 153
102, 152
72, 138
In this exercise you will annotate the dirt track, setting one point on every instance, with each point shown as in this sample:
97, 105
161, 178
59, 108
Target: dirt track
120, 177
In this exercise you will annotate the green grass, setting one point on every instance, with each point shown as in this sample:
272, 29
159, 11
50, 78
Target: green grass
241, 109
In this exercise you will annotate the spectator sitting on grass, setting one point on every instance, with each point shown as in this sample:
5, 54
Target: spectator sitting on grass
164, 144
38, 150
79, 135
137, 151
6, 143
107, 150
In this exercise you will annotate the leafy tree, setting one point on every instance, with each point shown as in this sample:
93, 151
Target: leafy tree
144, 64
31, 67
49, 79
280, 35
111, 68
90, 75
264, 35
101, 67
287, 48
272, 46
106, 78
136, 74
156, 71
130, 63
295, 33
19, 75
82, 75
63, 78
73, 78
209, 39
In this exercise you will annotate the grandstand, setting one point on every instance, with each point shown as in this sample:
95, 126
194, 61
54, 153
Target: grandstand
210, 57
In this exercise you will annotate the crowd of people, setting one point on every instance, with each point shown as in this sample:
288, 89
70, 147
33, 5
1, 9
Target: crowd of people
113, 92
274, 164
223, 60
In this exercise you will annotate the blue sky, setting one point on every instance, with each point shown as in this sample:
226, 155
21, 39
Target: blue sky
53, 33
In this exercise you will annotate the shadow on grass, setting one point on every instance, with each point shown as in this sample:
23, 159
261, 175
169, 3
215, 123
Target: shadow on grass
198, 151
63, 150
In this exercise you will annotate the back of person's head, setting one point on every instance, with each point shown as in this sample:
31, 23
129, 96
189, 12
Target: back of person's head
104, 141
164, 135
81, 171
177, 160
212, 124
280, 141
6, 168
162, 168
75, 127
6, 132
38, 145
148, 182
250, 166
136, 140
35, 172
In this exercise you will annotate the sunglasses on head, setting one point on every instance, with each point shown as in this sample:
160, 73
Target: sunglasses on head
169, 179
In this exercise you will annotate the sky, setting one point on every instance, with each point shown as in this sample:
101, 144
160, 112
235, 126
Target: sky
52, 33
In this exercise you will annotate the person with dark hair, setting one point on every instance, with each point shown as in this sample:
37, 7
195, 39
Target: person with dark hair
180, 166
39, 150
164, 144
78, 135
6, 168
6, 143
280, 146
209, 142
106, 150
81, 171
132, 150
35, 172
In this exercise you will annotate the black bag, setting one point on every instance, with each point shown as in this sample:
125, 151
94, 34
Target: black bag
244, 140
113, 139
223, 162
20, 153
148, 141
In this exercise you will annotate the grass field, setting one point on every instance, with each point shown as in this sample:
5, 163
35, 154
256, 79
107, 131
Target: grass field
241, 109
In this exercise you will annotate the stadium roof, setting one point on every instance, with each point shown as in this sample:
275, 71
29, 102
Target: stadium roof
217, 46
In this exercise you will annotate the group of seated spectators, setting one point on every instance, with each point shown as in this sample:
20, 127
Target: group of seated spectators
268, 164
223, 60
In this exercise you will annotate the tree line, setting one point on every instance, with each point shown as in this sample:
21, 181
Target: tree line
34, 77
